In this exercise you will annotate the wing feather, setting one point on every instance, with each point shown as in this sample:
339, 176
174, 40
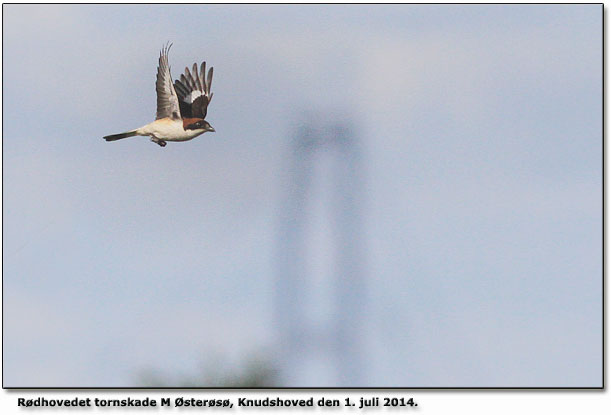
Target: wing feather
167, 100
190, 80
203, 75
198, 83
181, 89
193, 91
209, 85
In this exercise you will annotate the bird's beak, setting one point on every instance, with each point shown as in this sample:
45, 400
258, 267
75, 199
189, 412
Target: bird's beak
211, 129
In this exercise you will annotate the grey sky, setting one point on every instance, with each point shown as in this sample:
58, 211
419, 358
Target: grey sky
481, 128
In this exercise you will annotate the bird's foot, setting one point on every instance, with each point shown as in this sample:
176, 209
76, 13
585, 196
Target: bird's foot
158, 141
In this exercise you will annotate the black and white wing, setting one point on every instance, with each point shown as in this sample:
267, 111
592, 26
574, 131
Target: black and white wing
167, 100
194, 92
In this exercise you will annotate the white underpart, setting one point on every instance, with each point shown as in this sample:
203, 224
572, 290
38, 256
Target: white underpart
168, 130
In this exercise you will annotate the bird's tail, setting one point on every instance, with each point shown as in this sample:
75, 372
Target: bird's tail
116, 137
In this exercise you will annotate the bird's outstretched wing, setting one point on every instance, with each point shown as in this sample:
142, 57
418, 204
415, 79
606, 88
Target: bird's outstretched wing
194, 92
167, 100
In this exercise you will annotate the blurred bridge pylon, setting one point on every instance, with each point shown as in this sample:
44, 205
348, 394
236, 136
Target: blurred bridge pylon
320, 293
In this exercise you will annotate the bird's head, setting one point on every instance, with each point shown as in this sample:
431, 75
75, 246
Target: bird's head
201, 125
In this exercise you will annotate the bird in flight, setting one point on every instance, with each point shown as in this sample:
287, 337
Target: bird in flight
181, 107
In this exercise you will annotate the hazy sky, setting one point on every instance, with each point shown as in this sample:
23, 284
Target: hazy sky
482, 139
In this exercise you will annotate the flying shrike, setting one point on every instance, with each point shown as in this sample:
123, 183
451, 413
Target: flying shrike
181, 107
